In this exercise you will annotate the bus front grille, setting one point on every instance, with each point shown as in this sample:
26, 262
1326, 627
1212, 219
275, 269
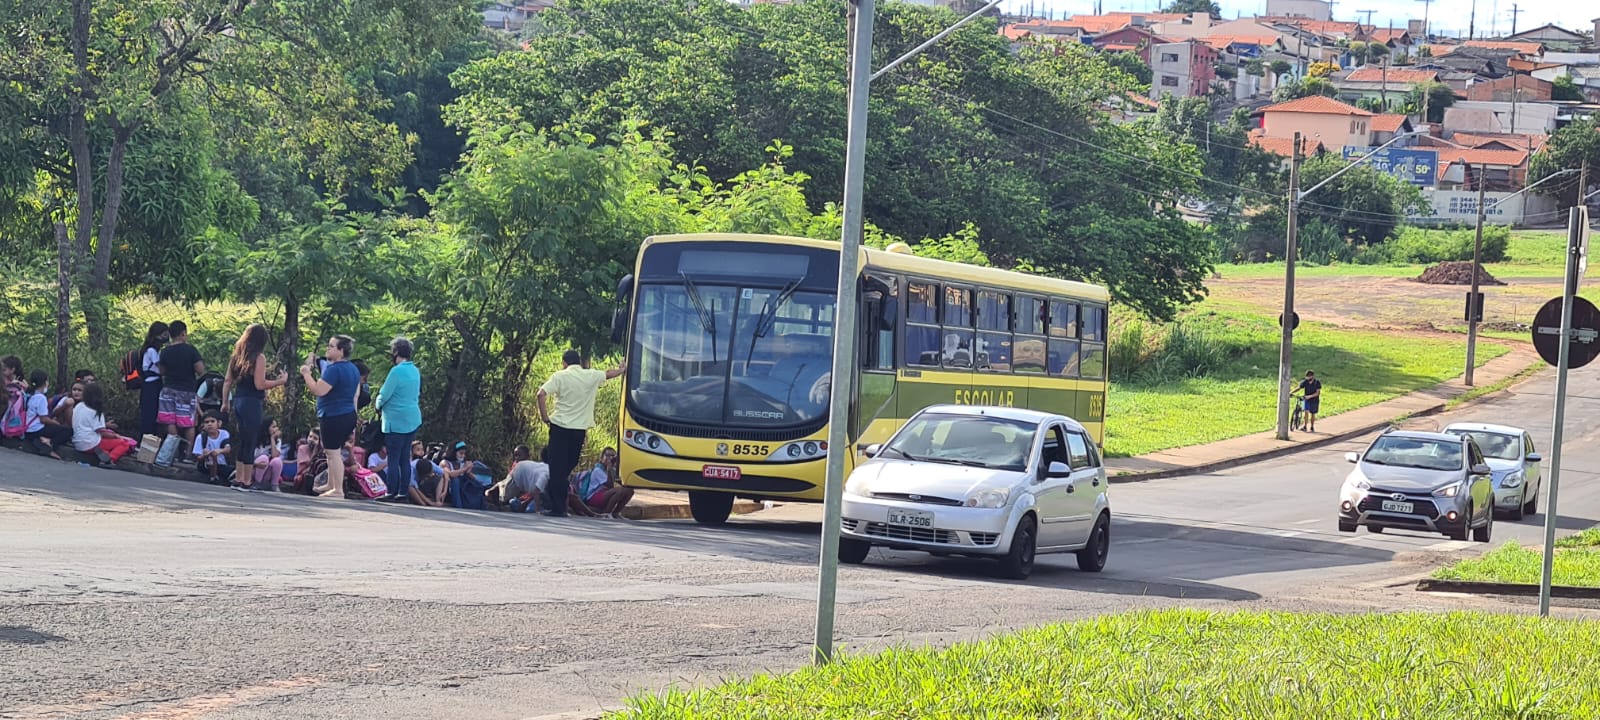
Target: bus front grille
727, 433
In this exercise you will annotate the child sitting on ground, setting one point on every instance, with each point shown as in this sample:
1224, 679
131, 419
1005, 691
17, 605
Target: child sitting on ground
268, 466
44, 433
91, 434
212, 449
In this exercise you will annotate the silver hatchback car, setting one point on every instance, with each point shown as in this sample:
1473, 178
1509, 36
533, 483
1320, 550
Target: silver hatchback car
992, 482
1510, 453
1421, 481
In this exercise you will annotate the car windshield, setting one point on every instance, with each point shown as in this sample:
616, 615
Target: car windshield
1425, 453
706, 352
965, 440
1496, 445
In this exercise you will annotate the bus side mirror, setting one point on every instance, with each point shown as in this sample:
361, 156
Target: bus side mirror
619, 316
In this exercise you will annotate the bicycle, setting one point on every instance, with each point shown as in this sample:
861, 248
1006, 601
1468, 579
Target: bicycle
1297, 416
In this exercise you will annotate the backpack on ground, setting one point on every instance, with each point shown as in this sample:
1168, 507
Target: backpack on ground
369, 484
209, 393
132, 369
15, 424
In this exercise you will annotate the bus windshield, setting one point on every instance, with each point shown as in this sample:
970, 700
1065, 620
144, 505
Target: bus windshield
708, 351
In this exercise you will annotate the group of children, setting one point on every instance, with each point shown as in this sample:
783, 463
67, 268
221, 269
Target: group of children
50, 424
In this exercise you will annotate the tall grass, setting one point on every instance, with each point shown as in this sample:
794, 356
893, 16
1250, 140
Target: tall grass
1145, 352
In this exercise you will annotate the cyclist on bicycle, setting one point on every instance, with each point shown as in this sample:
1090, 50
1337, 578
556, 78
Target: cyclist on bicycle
1311, 389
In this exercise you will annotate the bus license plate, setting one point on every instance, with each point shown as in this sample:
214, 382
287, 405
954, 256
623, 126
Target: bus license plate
719, 472
1399, 507
911, 518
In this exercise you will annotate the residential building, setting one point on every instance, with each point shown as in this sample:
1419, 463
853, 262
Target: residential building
1398, 40
1478, 116
1131, 39
1334, 123
1498, 170
1526, 49
1385, 126
1309, 9
1297, 43
1284, 147
1182, 69
1553, 38
1381, 84
510, 16
1516, 87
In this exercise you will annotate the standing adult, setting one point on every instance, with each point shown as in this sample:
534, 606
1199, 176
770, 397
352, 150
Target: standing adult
150, 378
336, 405
574, 387
1311, 388
402, 416
180, 367
247, 379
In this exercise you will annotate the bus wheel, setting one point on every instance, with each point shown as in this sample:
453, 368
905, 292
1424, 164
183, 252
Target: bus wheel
710, 508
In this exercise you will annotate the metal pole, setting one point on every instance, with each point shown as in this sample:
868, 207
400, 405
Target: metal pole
844, 326
1569, 288
1472, 296
930, 41
1286, 343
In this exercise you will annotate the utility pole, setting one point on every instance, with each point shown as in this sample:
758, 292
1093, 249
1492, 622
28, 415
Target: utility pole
1368, 13
1515, 11
1426, 5
1472, 295
1472, 20
1290, 249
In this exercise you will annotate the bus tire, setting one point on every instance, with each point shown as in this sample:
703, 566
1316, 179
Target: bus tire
710, 508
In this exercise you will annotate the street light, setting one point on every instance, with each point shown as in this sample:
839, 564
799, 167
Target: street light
1286, 341
1477, 245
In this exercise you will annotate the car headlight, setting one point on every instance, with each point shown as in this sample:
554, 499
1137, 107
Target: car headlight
1448, 491
990, 498
1512, 479
856, 485
1360, 483
648, 442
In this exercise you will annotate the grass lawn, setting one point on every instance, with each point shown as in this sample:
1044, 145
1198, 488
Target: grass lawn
1531, 253
1195, 665
1357, 368
1577, 563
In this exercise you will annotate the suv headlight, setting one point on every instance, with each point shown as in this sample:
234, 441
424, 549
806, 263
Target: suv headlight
1448, 491
1512, 479
990, 498
1360, 483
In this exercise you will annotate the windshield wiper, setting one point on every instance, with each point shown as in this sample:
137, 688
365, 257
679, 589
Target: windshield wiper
1374, 462
708, 320
769, 316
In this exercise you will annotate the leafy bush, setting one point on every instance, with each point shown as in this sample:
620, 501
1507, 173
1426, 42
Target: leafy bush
1416, 245
1144, 352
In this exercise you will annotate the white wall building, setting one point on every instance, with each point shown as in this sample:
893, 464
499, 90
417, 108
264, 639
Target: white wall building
1309, 9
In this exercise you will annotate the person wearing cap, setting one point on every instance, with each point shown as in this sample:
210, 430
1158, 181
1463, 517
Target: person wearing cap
574, 388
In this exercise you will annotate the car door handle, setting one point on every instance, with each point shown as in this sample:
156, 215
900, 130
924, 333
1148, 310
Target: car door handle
1071, 489
1096, 481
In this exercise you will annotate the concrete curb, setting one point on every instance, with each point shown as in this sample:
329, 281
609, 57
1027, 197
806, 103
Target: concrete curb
1273, 453
1495, 588
679, 511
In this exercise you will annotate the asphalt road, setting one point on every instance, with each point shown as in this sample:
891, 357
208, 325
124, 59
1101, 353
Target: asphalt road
124, 596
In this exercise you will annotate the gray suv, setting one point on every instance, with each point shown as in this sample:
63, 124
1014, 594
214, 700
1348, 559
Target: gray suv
1429, 481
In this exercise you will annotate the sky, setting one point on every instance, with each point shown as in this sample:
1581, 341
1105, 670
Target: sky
1445, 17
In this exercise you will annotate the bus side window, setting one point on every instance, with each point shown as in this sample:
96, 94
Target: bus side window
923, 337
1028, 353
1094, 342
880, 302
994, 331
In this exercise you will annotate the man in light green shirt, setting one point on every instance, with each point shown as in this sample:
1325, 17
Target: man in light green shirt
574, 387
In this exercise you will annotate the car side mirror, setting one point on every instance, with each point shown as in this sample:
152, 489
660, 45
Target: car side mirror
1352, 457
1481, 469
1058, 470
872, 450
1535, 457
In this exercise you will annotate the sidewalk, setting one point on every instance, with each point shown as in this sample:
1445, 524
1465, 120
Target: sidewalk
1332, 429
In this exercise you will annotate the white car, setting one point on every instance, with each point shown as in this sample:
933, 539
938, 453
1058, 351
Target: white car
1510, 453
984, 481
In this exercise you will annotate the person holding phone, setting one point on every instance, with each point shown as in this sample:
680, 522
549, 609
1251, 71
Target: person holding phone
336, 392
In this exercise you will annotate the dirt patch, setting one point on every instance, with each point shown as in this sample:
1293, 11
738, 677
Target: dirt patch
1455, 273
1384, 303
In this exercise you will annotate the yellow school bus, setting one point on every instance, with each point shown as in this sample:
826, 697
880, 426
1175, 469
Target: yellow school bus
730, 349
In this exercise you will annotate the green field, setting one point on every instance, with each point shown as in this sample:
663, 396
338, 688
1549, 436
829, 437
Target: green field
1194, 665
1577, 563
1531, 253
1357, 368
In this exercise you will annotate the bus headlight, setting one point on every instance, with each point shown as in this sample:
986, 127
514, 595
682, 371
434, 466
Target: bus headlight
799, 451
648, 442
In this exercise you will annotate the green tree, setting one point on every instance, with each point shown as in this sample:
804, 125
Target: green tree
1565, 89
1575, 146
1436, 96
1306, 87
1131, 64
1210, 7
96, 79
1363, 206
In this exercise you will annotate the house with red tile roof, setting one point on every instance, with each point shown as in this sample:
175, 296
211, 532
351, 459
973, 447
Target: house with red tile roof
1284, 147
1387, 125
1516, 87
1499, 170
1334, 123
1136, 40
1385, 85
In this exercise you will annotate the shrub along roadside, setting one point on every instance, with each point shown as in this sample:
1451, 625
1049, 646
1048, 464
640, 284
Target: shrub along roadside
1577, 563
1196, 665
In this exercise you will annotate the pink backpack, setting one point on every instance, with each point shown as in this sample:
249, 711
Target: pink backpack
15, 424
370, 484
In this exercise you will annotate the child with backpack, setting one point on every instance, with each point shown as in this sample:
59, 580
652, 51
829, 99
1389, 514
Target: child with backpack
14, 423
141, 371
91, 434
43, 433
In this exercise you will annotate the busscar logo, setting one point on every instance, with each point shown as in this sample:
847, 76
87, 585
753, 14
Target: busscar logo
722, 449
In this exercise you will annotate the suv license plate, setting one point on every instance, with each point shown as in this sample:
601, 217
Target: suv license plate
1399, 507
719, 472
911, 518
